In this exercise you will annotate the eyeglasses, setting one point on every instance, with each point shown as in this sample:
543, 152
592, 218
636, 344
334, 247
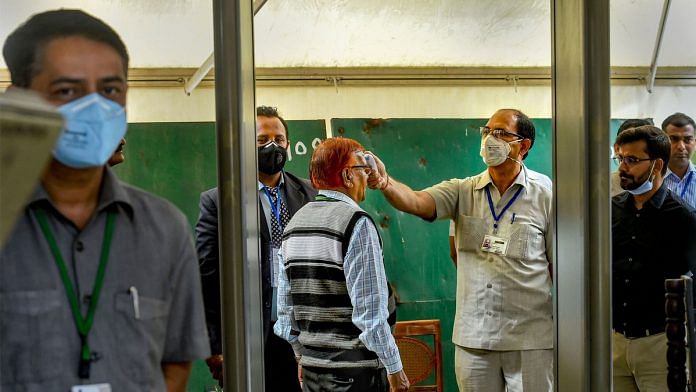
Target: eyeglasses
629, 161
366, 168
499, 133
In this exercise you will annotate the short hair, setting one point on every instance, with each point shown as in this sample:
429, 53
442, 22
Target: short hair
328, 160
525, 126
656, 140
678, 120
632, 123
270, 111
23, 48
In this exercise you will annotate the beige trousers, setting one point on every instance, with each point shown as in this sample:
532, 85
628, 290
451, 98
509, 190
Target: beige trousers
640, 364
494, 371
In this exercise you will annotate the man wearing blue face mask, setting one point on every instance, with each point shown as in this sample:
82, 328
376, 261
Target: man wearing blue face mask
503, 327
281, 194
98, 280
653, 233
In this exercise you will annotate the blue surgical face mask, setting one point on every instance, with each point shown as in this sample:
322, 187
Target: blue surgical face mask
646, 186
94, 126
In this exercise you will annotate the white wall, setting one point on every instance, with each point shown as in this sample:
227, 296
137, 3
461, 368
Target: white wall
289, 33
172, 105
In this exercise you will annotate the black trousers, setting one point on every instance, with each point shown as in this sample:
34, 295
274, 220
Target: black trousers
280, 367
344, 380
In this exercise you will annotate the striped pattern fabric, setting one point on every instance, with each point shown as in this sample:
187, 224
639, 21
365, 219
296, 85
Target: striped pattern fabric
315, 244
684, 187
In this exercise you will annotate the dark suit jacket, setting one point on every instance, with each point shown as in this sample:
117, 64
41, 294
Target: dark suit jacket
296, 193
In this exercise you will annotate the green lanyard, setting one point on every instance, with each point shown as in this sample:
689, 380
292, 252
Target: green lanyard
83, 324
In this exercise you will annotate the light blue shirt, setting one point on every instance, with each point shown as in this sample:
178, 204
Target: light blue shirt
366, 282
685, 187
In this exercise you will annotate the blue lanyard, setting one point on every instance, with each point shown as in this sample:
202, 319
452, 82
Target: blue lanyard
275, 207
496, 218
686, 185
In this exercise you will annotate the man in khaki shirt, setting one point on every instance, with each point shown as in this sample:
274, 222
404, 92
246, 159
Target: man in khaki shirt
503, 328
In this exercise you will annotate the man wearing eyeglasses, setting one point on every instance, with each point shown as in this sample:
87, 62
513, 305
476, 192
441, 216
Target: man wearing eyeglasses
615, 184
503, 328
653, 233
681, 173
333, 298
281, 194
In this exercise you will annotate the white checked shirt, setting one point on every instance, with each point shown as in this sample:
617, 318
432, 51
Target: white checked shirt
685, 187
366, 282
503, 301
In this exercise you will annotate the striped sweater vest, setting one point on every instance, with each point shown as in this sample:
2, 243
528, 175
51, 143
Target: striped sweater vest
315, 243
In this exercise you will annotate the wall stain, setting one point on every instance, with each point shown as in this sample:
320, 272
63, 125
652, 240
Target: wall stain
371, 124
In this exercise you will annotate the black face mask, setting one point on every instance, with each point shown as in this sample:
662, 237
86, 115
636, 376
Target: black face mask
271, 158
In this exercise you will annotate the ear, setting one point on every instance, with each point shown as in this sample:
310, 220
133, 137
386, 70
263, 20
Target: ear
525, 146
347, 178
659, 164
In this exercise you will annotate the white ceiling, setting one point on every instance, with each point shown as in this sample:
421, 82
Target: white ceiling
312, 33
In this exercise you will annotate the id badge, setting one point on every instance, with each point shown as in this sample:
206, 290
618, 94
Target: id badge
91, 388
275, 252
493, 244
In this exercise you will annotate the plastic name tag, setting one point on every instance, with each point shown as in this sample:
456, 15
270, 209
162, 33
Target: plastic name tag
493, 244
91, 388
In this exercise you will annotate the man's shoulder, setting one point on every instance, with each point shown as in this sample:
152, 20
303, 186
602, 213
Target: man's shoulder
302, 183
678, 204
211, 194
145, 203
536, 178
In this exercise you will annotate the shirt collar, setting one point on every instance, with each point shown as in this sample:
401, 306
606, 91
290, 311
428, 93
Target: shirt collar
485, 179
659, 197
338, 196
692, 168
281, 184
625, 199
111, 192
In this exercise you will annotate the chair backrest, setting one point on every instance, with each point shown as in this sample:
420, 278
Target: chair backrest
419, 358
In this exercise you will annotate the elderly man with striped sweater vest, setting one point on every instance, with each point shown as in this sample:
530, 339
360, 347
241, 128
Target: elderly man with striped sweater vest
332, 290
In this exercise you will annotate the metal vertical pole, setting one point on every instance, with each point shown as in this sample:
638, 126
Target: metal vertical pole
238, 201
581, 116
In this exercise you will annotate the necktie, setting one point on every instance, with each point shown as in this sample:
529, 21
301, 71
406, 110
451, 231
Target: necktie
278, 209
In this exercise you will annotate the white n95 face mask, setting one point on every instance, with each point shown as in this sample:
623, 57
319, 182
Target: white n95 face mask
94, 126
494, 151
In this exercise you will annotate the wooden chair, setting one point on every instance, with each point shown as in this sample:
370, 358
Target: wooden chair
419, 358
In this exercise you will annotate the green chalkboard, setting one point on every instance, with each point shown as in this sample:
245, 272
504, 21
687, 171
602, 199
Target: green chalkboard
178, 161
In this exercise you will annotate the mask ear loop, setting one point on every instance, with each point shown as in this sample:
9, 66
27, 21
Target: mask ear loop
652, 167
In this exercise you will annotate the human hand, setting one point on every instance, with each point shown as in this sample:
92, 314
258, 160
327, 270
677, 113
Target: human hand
398, 382
299, 375
378, 178
215, 365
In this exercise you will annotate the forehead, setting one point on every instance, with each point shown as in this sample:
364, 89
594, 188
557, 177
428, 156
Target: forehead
688, 129
267, 125
638, 149
503, 120
79, 58
359, 157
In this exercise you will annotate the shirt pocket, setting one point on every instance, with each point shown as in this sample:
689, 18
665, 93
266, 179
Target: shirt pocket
31, 337
145, 335
526, 242
471, 233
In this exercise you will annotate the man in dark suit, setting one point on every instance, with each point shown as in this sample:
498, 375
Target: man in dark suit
281, 194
